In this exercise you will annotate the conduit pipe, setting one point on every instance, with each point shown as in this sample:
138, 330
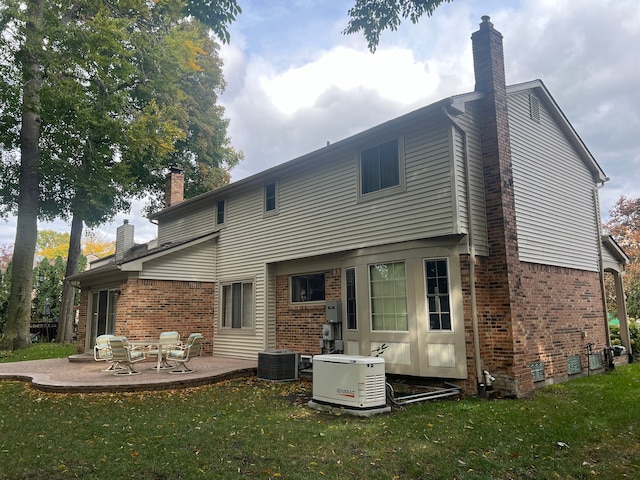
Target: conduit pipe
480, 377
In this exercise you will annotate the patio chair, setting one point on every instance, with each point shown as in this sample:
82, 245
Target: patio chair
183, 353
102, 352
125, 355
168, 341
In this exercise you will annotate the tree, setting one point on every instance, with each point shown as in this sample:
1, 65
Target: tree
624, 227
48, 276
5, 290
372, 17
6, 252
97, 244
98, 53
52, 244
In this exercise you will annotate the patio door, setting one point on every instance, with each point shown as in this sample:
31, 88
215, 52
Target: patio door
103, 314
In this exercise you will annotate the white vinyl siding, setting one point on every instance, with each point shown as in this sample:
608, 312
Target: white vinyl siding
188, 224
319, 212
196, 263
555, 208
469, 123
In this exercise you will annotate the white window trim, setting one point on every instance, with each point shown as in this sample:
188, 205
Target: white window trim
426, 299
230, 330
346, 302
406, 292
226, 211
385, 192
270, 213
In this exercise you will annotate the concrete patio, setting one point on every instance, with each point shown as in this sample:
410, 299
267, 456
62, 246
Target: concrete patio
82, 374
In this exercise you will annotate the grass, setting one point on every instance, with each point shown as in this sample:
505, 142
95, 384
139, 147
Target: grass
586, 428
38, 351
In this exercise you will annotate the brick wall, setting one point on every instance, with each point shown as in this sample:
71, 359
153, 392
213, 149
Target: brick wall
148, 307
560, 310
299, 327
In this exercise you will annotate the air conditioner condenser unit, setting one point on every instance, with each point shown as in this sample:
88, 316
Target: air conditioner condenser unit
350, 381
278, 365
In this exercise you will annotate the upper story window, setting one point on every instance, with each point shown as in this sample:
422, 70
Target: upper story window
307, 288
271, 197
381, 167
220, 210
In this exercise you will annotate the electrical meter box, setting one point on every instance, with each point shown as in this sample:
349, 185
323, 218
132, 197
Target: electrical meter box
333, 311
352, 381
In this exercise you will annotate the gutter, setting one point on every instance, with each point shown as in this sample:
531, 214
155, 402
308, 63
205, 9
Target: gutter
596, 205
480, 376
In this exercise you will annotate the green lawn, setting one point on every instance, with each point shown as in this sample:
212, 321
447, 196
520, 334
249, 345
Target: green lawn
38, 351
586, 428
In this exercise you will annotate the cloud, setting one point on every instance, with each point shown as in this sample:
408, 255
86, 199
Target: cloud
393, 73
295, 82
585, 52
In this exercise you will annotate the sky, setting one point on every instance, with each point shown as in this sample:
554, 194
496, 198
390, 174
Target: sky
295, 82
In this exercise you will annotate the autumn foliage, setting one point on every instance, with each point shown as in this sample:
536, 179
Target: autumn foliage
624, 227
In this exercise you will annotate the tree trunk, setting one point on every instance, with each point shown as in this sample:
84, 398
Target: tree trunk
19, 315
67, 314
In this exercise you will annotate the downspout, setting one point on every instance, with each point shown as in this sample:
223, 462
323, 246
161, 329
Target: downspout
480, 377
596, 204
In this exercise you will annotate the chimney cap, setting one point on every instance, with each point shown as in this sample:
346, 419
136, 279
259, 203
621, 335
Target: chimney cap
125, 221
175, 170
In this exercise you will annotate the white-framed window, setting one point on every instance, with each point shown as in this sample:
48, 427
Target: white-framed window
307, 288
381, 168
436, 274
221, 207
270, 198
388, 292
350, 294
237, 300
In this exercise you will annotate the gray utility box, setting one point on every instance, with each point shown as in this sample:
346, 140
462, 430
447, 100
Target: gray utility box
333, 311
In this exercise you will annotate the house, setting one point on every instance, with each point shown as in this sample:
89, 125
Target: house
459, 241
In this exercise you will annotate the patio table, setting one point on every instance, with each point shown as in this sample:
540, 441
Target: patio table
162, 349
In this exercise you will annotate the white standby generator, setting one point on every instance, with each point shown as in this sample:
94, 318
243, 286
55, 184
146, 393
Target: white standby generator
350, 381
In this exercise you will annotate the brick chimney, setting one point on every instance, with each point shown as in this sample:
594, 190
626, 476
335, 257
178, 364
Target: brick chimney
488, 58
124, 240
503, 263
174, 187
